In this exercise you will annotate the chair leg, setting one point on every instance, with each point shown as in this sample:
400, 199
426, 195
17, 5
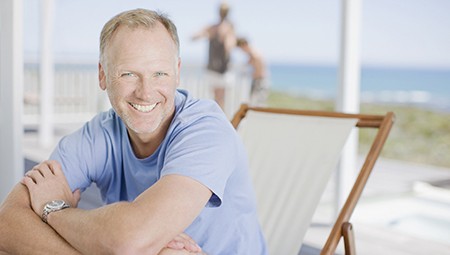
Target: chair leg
349, 238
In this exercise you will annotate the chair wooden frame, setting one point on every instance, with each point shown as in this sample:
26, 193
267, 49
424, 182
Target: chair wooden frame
342, 227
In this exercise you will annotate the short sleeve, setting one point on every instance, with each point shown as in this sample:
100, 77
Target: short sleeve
79, 155
204, 151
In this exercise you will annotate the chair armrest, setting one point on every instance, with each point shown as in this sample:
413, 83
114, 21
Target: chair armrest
349, 238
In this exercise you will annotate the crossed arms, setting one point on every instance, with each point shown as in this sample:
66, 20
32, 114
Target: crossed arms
151, 224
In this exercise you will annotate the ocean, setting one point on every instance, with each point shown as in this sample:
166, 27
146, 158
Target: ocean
425, 88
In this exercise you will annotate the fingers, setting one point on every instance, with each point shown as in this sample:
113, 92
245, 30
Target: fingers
55, 167
35, 175
44, 169
175, 244
191, 244
52, 166
76, 197
27, 181
183, 241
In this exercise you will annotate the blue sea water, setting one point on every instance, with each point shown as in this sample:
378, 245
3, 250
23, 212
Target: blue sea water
427, 88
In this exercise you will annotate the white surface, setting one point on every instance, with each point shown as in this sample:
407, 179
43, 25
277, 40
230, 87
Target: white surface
11, 94
348, 99
291, 161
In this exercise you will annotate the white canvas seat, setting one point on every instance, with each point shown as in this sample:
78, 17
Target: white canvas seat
292, 156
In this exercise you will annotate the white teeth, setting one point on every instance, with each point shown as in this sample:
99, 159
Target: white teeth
143, 108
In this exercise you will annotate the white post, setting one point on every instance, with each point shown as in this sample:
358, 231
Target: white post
46, 75
348, 95
11, 94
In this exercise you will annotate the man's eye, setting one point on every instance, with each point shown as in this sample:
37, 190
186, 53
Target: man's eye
127, 74
160, 74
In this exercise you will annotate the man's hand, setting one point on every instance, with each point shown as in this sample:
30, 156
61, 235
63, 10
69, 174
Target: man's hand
167, 251
183, 241
46, 182
182, 244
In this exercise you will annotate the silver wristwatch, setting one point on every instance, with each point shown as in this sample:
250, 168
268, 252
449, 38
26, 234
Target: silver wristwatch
53, 206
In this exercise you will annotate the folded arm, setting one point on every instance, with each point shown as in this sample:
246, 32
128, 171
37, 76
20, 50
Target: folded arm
145, 225
23, 232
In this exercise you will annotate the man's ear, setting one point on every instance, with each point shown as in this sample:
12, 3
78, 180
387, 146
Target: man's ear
178, 71
101, 76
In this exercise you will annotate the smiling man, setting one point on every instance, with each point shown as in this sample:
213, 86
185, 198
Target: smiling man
169, 167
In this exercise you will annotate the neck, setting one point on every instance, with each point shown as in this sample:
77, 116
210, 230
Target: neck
143, 149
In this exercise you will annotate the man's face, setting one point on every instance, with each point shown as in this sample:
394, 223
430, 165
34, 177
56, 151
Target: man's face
141, 74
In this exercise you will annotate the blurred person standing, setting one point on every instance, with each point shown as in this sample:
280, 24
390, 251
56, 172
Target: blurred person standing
222, 39
260, 82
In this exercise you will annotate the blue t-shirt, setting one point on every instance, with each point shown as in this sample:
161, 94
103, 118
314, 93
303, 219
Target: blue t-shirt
200, 143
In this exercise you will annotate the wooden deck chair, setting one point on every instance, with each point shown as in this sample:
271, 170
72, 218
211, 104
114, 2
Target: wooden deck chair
292, 156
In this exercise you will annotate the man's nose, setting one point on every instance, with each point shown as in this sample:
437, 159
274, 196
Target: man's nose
144, 88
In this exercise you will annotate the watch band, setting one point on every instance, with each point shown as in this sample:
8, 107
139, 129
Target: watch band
53, 206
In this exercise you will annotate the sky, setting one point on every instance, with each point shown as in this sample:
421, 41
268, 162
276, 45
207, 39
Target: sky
400, 33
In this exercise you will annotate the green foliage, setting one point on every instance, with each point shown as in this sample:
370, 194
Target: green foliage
418, 135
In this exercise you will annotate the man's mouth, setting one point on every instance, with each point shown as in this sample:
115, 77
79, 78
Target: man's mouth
143, 108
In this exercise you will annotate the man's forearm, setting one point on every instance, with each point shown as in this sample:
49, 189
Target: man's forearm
87, 231
105, 230
145, 225
23, 232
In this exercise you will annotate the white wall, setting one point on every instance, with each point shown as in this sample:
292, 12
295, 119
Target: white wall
11, 94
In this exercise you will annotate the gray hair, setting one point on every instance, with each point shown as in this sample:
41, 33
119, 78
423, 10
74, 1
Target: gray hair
133, 19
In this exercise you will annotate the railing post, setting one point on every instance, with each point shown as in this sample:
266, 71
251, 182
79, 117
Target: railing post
47, 76
348, 94
11, 94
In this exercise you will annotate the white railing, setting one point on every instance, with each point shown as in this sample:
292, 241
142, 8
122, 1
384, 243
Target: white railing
78, 96
237, 90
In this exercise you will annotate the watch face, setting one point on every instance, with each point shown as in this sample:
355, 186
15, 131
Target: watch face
55, 204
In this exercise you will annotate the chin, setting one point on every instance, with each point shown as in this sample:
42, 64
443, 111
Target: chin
144, 128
